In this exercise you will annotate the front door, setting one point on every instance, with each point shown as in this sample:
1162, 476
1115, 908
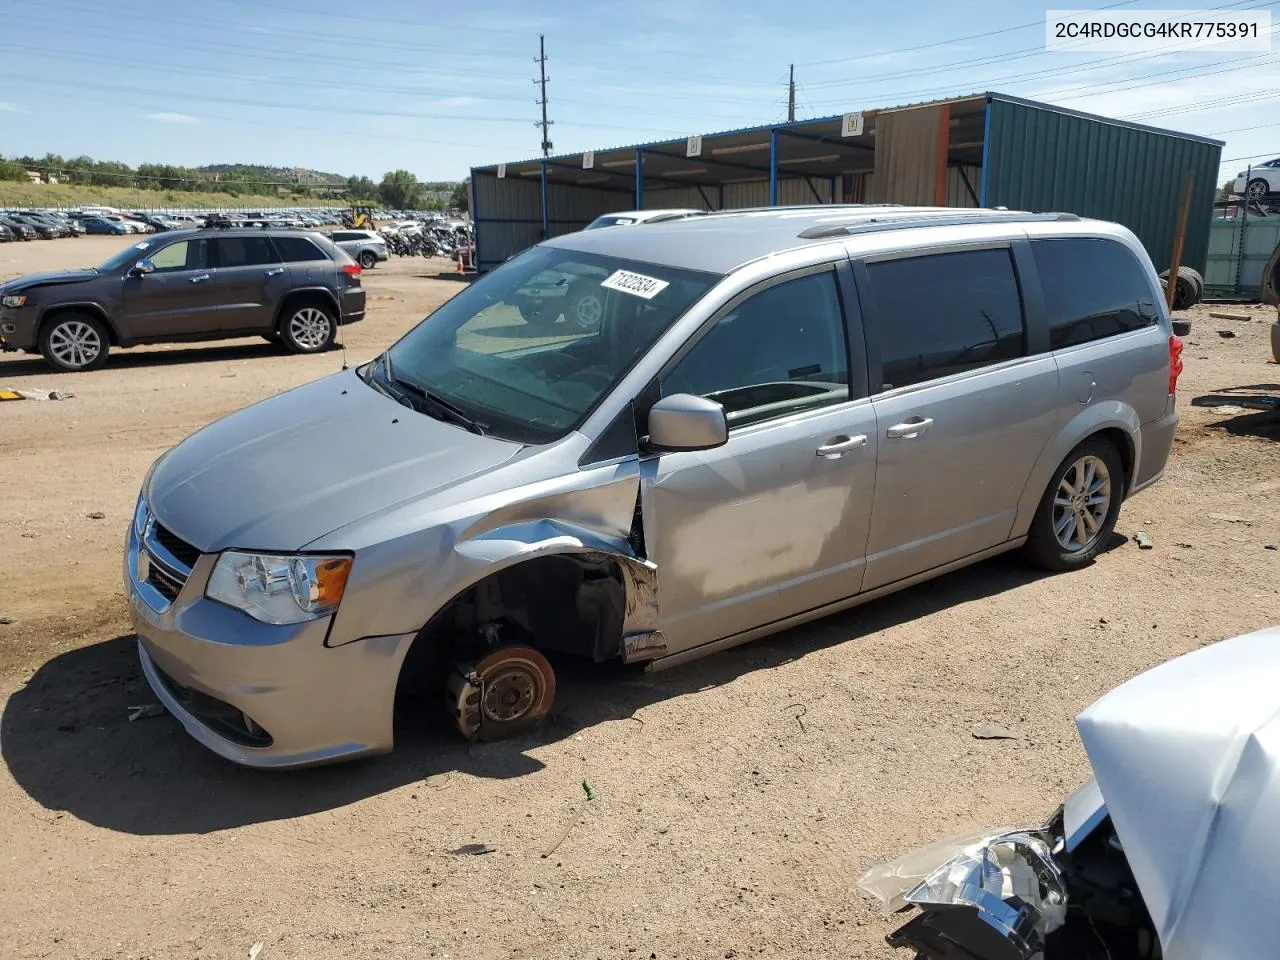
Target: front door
774, 522
251, 280
178, 298
963, 406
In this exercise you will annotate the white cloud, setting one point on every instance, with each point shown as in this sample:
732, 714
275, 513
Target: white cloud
173, 118
7, 107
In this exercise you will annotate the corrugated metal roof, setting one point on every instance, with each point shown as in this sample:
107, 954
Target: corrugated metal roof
834, 122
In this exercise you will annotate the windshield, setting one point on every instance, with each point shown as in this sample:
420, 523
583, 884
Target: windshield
528, 350
609, 221
116, 261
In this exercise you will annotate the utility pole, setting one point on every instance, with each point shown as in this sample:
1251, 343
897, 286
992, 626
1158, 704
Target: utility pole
545, 125
791, 96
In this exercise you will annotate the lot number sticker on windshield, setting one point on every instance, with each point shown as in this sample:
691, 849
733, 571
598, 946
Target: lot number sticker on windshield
636, 284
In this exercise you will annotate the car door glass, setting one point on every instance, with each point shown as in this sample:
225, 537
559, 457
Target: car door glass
945, 313
245, 252
1093, 288
184, 255
778, 352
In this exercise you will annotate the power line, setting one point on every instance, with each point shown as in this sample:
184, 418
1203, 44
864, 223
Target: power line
1021, 54
327, 109
946, 43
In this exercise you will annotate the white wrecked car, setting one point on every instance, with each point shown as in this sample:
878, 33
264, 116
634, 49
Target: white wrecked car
1170, 852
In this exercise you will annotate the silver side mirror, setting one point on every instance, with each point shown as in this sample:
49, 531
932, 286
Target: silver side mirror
143, 266
685, 422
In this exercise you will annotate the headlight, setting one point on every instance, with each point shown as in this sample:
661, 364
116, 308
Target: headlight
279, 589
1009, 878
140, 517
14, 301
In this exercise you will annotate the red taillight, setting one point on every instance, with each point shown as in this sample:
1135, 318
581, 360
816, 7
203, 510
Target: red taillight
351, 269
1175, 362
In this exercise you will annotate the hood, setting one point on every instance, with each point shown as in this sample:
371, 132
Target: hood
1187, 757
47, 279
284, 472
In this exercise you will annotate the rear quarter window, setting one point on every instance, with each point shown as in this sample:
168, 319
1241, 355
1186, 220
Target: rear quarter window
1093, 288
298, 249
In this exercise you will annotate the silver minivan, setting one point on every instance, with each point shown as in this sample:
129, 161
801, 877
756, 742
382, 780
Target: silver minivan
781, 413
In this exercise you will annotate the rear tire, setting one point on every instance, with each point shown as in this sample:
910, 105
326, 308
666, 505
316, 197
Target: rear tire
1078, 511
74, 342
307, 326
1257, 188
368, 261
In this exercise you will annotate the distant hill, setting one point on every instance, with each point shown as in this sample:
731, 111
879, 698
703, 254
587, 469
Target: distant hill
256, 171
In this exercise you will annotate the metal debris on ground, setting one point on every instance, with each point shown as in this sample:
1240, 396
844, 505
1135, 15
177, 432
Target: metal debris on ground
588, 789
1144, 541
993, 731
8, 394
145, 712
1269, 546
1226, 334
255, 950
474, 850
1231, 518
96, 515
5, 621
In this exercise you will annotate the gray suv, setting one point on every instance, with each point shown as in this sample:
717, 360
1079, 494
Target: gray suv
291, 287
779, 414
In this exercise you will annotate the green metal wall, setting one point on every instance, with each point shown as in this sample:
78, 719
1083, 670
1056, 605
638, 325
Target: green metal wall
1046, 159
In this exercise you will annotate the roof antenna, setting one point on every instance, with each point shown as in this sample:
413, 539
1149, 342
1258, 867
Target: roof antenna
342, 345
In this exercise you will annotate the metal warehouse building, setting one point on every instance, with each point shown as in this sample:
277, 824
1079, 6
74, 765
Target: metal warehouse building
984, 150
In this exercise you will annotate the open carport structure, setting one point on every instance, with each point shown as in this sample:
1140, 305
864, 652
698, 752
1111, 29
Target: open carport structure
983, 150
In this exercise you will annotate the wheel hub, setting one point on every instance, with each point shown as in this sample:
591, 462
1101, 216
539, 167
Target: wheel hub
508, 696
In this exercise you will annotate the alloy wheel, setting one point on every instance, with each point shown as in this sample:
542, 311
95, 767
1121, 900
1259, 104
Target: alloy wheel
1081, 503
75, 344
309, 328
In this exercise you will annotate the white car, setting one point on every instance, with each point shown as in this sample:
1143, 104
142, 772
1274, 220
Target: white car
1259, 180
629, 218
404, 228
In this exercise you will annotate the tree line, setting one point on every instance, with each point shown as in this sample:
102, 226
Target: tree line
398, 188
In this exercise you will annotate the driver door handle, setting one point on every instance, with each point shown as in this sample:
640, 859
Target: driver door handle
276, 272
836, 446
909, 429
200, 279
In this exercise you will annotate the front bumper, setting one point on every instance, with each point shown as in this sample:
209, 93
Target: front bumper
17, 328
212, 666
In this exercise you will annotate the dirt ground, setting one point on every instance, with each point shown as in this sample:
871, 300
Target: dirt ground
737, 800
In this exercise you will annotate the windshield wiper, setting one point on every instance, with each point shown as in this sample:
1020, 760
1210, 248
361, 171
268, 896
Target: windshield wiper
435, 405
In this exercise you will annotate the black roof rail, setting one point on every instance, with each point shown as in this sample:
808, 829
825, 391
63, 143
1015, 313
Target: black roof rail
829, 231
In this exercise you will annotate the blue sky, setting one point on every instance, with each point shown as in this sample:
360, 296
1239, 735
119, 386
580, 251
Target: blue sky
436, 87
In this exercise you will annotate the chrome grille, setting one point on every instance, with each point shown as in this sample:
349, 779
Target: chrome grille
165, 562
164, 581
180, 549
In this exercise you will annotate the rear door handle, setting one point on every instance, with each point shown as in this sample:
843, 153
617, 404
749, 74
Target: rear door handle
837, 446
200, 279
276, 272
909, 429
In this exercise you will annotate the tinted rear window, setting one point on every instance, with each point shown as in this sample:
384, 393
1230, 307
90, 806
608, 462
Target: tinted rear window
245, 251
298, 249
945, 314
1093, 289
